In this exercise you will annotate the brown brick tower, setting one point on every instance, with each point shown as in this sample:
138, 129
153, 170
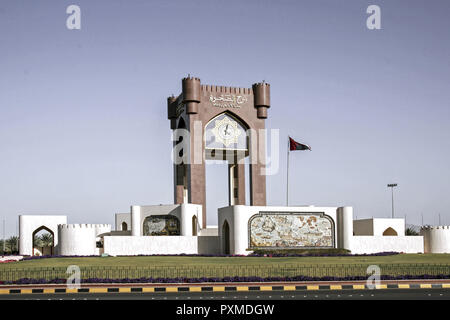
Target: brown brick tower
224, 123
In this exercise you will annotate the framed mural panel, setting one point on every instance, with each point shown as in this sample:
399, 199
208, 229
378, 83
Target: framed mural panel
291, 230
163, 225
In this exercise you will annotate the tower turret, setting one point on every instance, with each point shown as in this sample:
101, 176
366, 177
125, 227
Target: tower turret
261, 93
172, 111
191, 94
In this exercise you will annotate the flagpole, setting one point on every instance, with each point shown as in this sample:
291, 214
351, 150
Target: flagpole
287, 175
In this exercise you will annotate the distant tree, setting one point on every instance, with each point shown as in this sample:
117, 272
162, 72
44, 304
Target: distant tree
37, 242
46, 240
12, 244
411, 232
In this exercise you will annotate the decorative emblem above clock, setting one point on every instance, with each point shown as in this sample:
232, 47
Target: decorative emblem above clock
226, 131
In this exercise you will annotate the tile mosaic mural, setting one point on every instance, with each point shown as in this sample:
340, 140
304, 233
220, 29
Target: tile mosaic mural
164, 225
291, 230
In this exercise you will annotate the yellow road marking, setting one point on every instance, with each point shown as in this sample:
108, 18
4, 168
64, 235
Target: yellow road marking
124, 289
425, 286
403, 286
289, 288
171, 289
358, 286
241, 288
4, 291
335, 287
148, 289
71, 290
218, 288
265, 288
49, 290
381, 286
98, 290
195, 289
312, 287
446, 285
26, 291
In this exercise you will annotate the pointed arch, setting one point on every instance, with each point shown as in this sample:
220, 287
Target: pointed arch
226, 237
226, 132
232, 115
39, 230
124, 226
390, 232
194, 225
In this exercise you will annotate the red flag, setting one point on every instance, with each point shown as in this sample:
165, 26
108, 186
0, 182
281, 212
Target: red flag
294, 145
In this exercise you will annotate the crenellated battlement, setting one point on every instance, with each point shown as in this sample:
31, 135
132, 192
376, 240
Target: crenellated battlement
435, 228
224, 89
83, 226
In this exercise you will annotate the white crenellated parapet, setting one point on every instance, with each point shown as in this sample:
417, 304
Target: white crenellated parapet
436, 239
78, 239
102, 229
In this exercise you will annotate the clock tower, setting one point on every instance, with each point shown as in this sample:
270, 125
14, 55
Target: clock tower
219, 123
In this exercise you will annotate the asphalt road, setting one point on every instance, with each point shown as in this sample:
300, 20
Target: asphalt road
378, 294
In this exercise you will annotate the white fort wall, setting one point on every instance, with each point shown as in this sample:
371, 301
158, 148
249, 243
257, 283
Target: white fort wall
376, 244
80, 239
436, 239
30, 223
184, 212
148, 245
120, 219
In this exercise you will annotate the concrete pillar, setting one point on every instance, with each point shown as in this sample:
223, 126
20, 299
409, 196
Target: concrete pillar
345, 227
136, 221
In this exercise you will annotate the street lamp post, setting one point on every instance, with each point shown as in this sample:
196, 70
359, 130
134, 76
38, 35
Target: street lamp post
392, 185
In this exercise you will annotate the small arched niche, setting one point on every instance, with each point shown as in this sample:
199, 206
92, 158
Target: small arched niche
390, 232
226, 237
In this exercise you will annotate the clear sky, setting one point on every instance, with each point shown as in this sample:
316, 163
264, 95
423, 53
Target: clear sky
83, 118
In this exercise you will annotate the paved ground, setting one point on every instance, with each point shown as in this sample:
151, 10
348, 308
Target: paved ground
349, 290
377, 294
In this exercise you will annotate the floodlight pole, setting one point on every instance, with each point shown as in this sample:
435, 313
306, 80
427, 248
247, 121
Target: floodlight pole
392, 185
3, 235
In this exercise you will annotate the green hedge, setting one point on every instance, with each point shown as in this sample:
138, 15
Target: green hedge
301, 251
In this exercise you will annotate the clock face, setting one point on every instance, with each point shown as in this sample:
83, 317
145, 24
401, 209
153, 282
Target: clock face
226, 131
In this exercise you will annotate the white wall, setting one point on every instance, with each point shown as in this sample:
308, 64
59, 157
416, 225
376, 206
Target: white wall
436, 239
29, 223
120, 218
77, 239
344, 227
80, 239
380, 225
376, 226
375, 244
184, 212
135, 245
